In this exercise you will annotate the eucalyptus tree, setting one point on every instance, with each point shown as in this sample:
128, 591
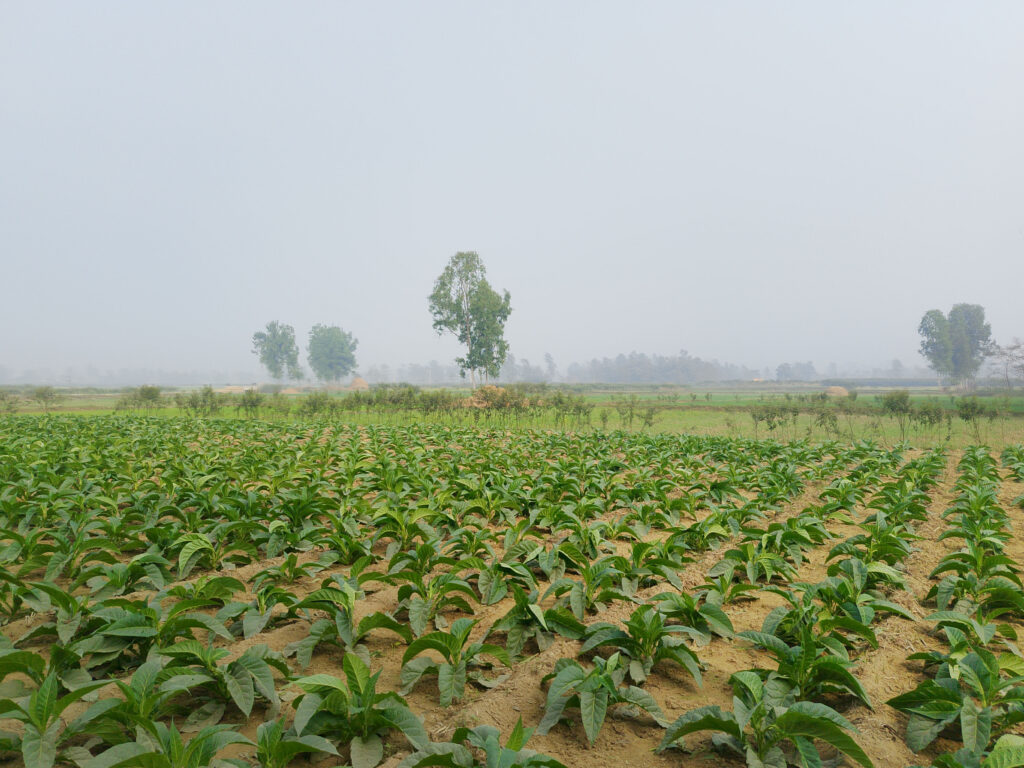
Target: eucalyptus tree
465, 305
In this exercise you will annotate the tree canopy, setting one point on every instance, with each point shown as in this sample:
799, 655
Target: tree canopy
277, 350
332, 352
464, 304
956, 344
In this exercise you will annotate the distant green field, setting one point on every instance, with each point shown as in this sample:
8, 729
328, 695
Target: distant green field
701, 411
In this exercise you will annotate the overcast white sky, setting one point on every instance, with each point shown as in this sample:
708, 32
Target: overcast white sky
753, 182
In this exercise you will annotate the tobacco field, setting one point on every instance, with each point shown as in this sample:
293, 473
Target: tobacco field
182, 593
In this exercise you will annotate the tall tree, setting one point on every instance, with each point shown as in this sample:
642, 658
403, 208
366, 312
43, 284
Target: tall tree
277, 350
332, 352
464, 304
936, 344
956, 344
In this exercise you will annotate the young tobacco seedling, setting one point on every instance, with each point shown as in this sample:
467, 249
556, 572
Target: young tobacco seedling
162, 746
985, 703
461, 661
700, 618
646, 641
341, 630
526, 621
276, 746
768, 726
484, 740
592, 691
352, 711
238, 681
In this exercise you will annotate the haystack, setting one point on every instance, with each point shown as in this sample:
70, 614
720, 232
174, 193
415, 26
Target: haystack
837, 392
358, 384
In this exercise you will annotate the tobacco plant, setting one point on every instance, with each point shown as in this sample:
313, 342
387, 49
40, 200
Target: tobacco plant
353, 712
239, 681
645, 641
46, 733
277, 746
809, 668
972, 691
593, 591
526, 621
341, 629
768, 727
700, 616
593, 692
481, 747
461, 661
162, 746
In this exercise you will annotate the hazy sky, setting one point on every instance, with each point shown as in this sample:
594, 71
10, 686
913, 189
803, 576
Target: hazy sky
754, 182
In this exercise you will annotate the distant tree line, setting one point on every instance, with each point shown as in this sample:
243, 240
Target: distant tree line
430, 374
639, 368
796, 372
516, 370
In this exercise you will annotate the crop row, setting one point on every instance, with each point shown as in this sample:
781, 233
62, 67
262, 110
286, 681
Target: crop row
974, 689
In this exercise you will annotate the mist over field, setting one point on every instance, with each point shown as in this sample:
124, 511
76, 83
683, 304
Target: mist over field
755, 185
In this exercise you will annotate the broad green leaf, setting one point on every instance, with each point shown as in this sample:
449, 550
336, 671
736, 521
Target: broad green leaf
240, 687
414, 670
795, 723
593, 706
207, 715
577, 603
262, 676
26, 662
638, 697
42, 705
366, 753
315, 682
39, 750
975, 726
120, 754
304, 711
405, 720
448, 683
445, 644
380, 620
922, 731
356, 673
419, 614
710, 718
1008, 752
808, 752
